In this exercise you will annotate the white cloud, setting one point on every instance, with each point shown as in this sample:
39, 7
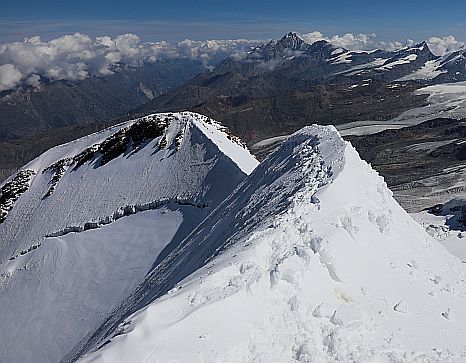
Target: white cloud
78, 56
353, 41
443, 45
438, 45
392, 46
313, 37
348, 40
9, 76
213, 50
33, 80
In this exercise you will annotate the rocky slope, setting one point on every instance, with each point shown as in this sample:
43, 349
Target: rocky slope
424, 165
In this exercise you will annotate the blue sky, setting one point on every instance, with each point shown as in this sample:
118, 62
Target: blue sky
174, 20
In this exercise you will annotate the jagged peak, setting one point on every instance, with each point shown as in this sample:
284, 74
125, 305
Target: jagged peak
291, 41
136, 133
419, 47
291, 35
423, 46
324, 43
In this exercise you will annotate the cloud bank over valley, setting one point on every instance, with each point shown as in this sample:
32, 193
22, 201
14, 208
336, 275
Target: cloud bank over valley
78, 56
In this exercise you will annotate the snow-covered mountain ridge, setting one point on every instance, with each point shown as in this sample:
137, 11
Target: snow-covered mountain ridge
323, 62
310, 259
133, 192
163, 240
156, 138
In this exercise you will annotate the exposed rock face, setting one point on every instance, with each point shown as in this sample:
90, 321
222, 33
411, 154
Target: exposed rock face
452, 68
424, 164
12, 190
454, 211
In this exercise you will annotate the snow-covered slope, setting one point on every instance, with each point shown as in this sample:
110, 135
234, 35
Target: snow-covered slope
447, 223
309, 260
446, 100
82, 225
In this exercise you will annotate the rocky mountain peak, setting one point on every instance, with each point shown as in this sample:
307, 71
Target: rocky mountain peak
291, 41
422, 48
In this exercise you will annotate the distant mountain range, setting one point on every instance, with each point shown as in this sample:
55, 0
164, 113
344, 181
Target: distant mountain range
324, 63
263, 95
27, 111
283, 85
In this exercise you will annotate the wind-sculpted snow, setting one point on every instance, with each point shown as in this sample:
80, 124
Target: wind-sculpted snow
310, 259
98, 214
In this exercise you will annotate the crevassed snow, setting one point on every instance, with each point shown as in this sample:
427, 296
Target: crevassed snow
359, 69
153, 173
55, 290
391, 64
445, 100
342, 58
430, 70
309, 260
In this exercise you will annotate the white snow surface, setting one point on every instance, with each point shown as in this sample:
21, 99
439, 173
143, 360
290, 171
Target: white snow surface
309, 260
362, 68
430, 70
444, 100
436, 225
140, 205
152, 174
340, 58
393, 63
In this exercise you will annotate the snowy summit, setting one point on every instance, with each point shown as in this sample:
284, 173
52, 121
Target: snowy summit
86, 221
309, 260
194, 254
